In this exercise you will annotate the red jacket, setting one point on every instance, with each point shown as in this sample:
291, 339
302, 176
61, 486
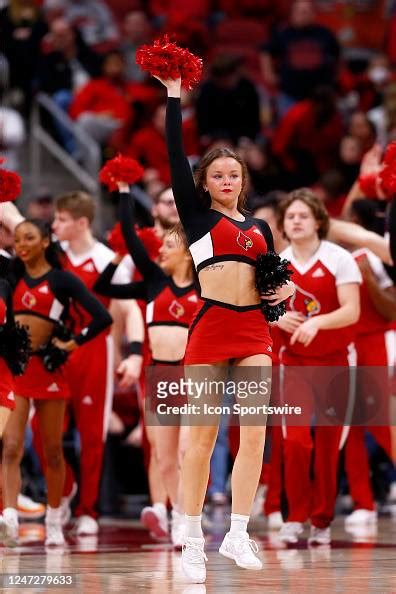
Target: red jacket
102, 96
298, 131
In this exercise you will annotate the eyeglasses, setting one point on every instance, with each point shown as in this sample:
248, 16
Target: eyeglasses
169, 202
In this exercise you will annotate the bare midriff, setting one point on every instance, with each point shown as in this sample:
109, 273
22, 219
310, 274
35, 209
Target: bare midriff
229, 282
39, 330
168, 343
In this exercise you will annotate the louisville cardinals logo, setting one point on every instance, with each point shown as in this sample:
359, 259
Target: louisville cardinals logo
304, 302
244, 241
29, 300
176, 309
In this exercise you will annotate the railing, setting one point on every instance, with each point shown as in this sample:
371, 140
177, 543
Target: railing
39, 139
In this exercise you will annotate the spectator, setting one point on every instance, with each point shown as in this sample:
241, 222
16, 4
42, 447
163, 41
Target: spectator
64, 69
361, 128
299, 57
41, 206
12, 133
92, 18
148, 145
383, 117
136, 30
350, 157
267, 208
263, 173
307, 139
21, 30
227, 103
104, 104
68, 65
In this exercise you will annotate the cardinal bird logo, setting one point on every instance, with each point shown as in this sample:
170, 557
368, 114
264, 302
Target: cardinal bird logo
176, 309
244, 241
29, 300
304, 302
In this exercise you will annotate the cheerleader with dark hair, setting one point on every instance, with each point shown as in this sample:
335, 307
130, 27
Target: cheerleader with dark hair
228, 329
171, 296
42, 295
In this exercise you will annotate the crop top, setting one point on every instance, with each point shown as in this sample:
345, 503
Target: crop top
167, 304
212, 235
50, 296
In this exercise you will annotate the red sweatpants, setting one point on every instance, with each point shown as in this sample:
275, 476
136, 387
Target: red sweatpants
371, 351
314, 497
89, 372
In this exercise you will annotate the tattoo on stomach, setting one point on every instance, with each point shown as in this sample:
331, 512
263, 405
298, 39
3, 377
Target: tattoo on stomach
214, 267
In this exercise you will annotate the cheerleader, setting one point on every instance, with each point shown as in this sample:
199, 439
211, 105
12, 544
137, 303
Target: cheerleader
41, 300
224, 244
171, 299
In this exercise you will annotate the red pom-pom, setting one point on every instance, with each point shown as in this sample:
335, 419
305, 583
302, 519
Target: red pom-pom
388, 180
147, 235
390, 154
167, 60
120, 169
368, 185
10, 184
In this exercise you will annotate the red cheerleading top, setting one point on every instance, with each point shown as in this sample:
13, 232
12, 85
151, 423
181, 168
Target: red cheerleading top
50, 296
316, 284
212, 236
370, 320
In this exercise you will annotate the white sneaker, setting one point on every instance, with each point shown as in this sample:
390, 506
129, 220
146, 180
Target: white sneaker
193, 560
65, 505
29, 509
274, 521
177, 529
156, 521
9, 527
290, 532
239, 547
319, 536
361, 517
86, 525
54, 534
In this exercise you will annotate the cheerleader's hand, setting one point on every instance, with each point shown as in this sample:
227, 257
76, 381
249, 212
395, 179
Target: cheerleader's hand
281, 294
123, 187
68, 345
129, 371
291, 321
173, 86
306, 332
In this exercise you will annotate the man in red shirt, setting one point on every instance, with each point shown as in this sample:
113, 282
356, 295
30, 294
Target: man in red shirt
314, 331
90, 372
104, 104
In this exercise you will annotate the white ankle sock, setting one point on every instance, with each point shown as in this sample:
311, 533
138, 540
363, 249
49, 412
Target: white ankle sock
53, 514
11, 514
193, 526
160, 508
238, 523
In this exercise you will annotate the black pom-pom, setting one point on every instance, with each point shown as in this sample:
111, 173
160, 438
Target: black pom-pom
271, 273
54, 357
272, 313
15, 347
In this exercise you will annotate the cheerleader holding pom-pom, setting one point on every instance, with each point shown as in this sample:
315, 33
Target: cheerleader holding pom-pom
224, 244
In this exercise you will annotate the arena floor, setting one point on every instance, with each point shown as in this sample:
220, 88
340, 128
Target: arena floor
123, 559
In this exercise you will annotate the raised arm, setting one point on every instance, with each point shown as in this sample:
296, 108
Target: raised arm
104, 286
186, 198
147, 268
